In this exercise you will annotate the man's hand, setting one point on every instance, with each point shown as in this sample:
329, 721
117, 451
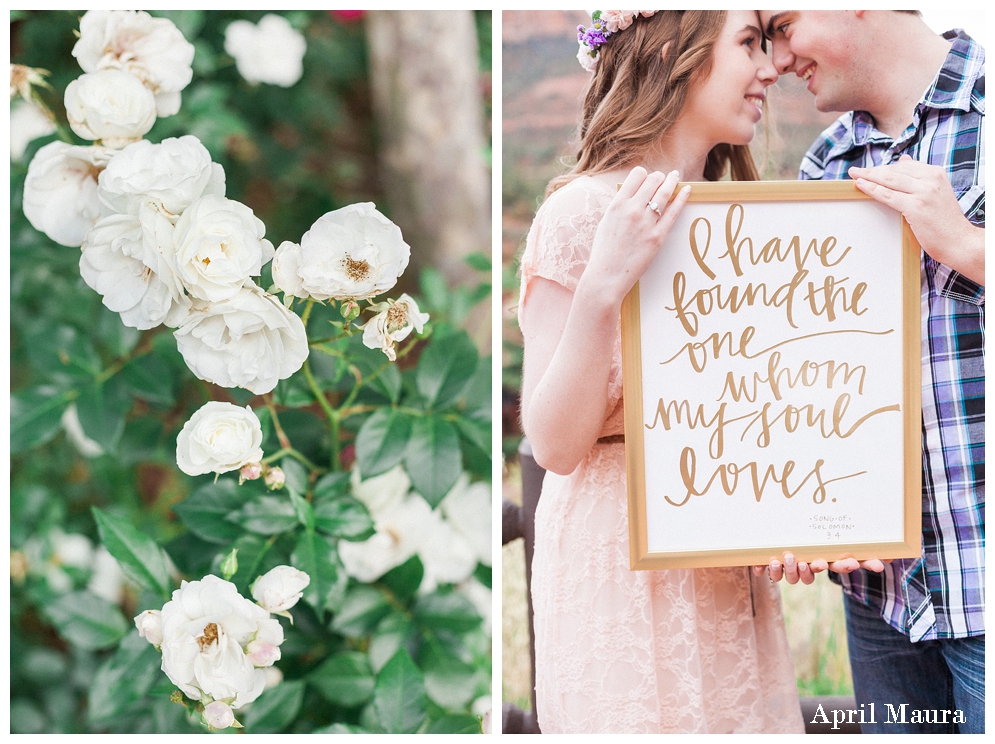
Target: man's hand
923, 194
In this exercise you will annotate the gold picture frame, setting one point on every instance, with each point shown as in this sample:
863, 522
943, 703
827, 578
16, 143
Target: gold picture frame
828, 441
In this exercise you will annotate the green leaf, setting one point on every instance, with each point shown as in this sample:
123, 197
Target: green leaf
36, 416
361, 610
446, 609
273, 711
341, 728
462, 723
330, 486
142, 441
266, 515
445, 367
381, 441
479, 261
477, 394
115, 336
141, 559
476, 433
403, 581
303, 510
229, 564
86, 620
150, 380
399, 695
345, 678
296, 475
433, 458
449, 680
345, 518
434, 288
102, 409
314, 555
205, 511
387, 383
393, 632
62, 350
254, 559
124, 679
482, 574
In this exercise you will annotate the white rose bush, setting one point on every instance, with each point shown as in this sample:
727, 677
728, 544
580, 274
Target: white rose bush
250, 484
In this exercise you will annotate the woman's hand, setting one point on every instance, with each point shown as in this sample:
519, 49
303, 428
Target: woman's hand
570, 336
633, 230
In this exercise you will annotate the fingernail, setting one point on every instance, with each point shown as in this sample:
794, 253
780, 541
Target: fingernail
789, 560
803, 567
775, 565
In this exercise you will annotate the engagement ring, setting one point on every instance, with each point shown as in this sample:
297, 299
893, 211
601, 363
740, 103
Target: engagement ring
655, 207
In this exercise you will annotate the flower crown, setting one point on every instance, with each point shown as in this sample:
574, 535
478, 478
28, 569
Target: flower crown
604, 24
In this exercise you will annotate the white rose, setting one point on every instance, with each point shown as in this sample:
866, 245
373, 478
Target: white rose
445, 554
60, 190
206, 628
111, 106
401, 530
480, 595
107, 579
174, 173
270, 52
249, 341
128, 259
218, 438
352, 253
273, 676
218, 715
75, 434
149, 625
219, 244
394, 324
151, 49
467, 507
28, 122
383, 492
279, 589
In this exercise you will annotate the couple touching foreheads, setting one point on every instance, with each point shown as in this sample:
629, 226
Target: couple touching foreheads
676, 96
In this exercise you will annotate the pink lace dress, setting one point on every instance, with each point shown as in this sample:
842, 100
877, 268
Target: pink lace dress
620, 651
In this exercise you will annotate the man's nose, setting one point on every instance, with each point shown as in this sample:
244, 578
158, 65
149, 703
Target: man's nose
781, 56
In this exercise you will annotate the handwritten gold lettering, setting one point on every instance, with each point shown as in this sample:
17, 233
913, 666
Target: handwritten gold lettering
808, 415
677, 413
809, 374
728, 474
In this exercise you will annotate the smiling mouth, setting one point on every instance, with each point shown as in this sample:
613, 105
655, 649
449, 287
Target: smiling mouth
807, 73
757, 101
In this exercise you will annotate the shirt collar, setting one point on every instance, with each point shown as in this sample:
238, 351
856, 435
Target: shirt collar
954, 85
953, 88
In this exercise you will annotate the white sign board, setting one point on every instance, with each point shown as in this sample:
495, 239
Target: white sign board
771, 363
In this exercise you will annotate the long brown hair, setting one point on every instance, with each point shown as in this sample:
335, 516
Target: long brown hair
637, 93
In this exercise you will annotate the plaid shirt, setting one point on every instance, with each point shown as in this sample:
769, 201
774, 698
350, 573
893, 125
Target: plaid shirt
942, 593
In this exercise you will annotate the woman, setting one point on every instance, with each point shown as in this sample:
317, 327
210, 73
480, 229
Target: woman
676, 93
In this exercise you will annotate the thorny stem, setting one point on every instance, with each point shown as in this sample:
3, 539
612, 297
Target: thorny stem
307, 313
333, 416
280, 434
299, 456
118, 364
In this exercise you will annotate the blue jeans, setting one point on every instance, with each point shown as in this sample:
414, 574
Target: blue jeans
929, 677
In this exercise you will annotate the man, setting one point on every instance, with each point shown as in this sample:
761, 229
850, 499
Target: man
915, 626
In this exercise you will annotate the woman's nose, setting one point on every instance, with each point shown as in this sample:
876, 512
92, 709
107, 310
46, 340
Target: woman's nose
767, 73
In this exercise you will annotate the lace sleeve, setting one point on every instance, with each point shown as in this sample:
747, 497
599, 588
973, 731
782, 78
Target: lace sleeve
559, 242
